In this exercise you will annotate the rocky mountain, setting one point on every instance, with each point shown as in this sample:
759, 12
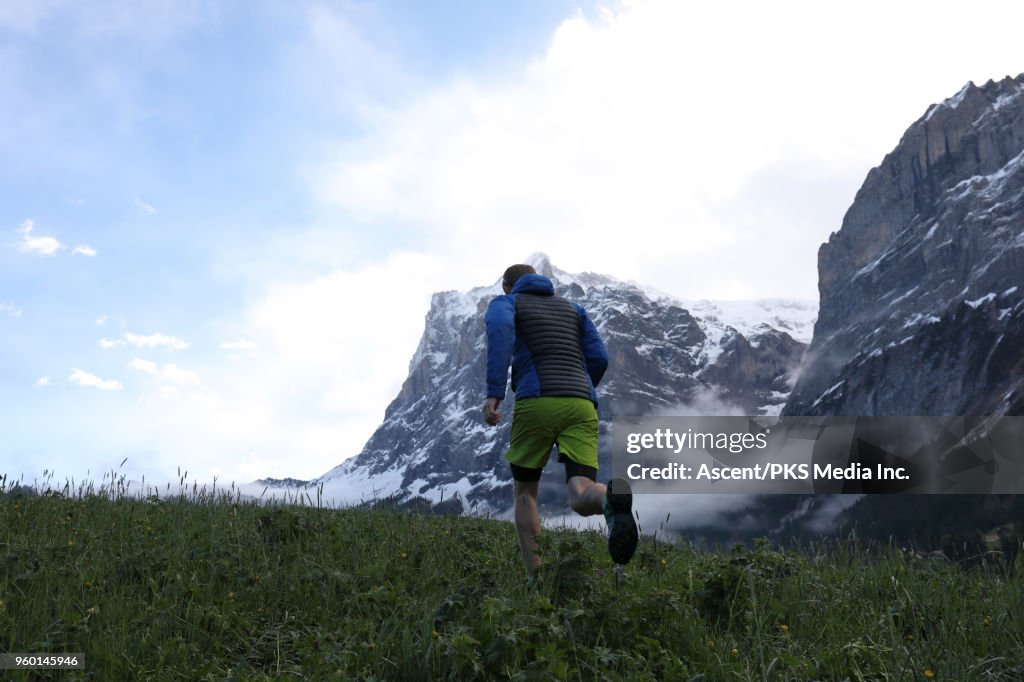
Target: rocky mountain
922, 305
664, 355
922, 288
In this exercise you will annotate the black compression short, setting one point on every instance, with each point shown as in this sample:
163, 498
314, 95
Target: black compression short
525, 475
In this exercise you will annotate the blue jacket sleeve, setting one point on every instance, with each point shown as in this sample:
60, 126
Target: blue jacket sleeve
594, 352
501, 335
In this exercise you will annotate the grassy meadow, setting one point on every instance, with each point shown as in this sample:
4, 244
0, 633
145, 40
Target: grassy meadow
208, 587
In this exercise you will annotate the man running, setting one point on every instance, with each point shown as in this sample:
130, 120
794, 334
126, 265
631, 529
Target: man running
557, 360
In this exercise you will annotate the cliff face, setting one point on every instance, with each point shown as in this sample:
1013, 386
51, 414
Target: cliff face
922, 288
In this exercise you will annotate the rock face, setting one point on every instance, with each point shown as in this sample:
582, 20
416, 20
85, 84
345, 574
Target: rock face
922, 288
663, 353
922, 298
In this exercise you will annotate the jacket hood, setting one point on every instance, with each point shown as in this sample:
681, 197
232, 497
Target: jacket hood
533, 284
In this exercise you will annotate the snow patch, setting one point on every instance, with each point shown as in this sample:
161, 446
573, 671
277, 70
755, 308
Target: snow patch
997, 180
955, 101
951, 103
873, 264
987, 186
903, 341
359, 485
796, 317
827, 393
920, 318
981, 301
904, 296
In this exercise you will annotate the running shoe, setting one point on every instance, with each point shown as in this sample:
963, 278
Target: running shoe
618, 513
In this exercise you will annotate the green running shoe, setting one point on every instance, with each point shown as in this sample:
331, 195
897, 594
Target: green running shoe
618, 513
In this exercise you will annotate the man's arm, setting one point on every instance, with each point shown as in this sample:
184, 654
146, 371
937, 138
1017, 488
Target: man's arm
499, 321
594, 352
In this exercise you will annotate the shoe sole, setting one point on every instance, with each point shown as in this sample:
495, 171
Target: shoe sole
623, 538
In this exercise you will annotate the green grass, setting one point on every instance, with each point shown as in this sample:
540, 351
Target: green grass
210, 588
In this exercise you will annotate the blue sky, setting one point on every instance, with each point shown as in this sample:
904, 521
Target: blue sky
221, 223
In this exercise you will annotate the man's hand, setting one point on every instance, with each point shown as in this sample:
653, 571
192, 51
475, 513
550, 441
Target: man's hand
491, 414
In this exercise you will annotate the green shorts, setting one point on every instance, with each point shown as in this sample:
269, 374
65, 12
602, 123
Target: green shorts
539, 423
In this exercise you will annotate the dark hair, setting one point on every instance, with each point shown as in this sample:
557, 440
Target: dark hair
514, 272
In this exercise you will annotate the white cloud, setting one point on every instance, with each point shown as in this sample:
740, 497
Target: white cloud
101, 320
143, 366
330, 362
83, 378
45, 246
145, 341
144, 208
10, 309
154, 340
670, 143
329, 333
43, 381
169, 373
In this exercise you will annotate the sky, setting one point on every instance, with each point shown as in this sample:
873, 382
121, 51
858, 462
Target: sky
221, 222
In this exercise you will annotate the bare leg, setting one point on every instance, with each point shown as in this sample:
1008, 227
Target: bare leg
527, 522
585, 496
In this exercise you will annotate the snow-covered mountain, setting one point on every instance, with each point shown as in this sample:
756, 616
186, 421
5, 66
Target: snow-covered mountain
710, 357
922, 288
